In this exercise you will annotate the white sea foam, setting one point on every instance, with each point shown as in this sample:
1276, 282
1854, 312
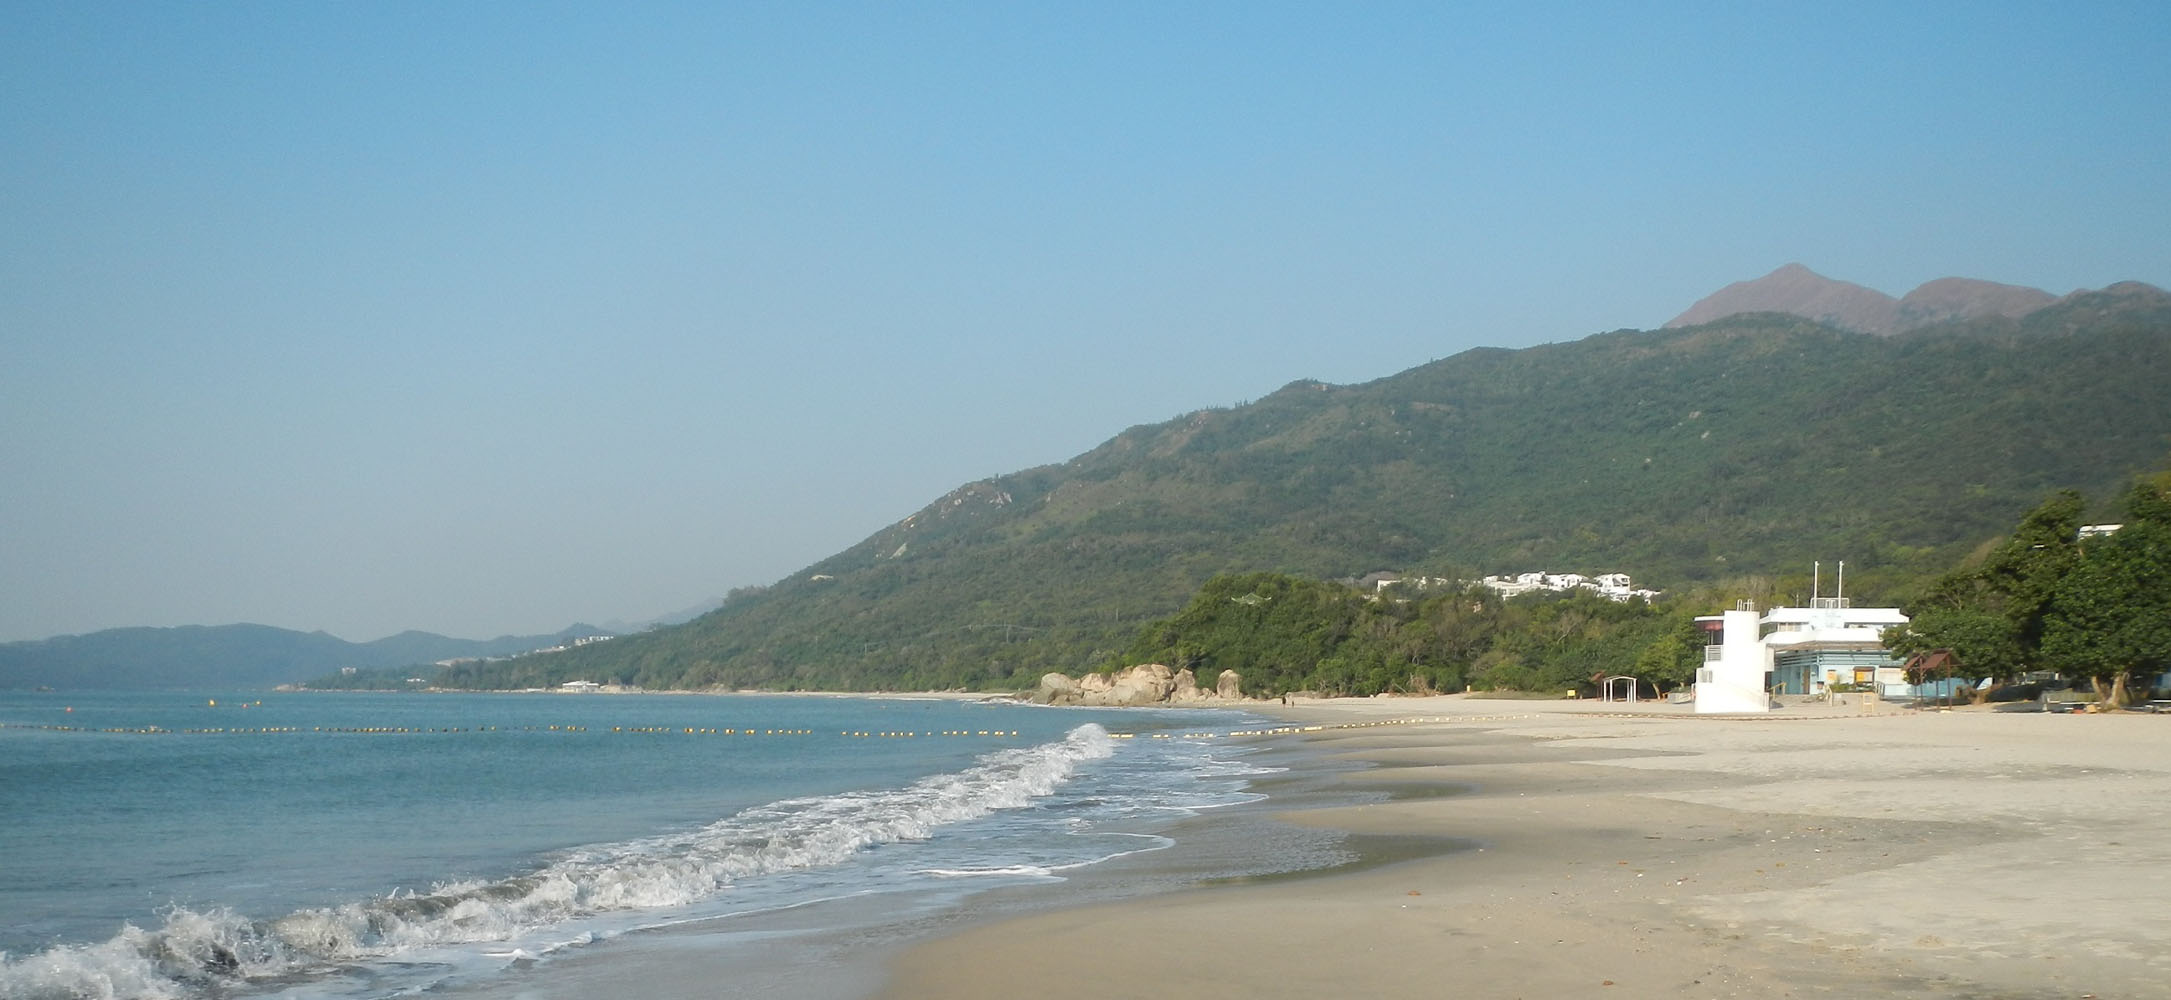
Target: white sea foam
1029, 871
192, 950
1152, 842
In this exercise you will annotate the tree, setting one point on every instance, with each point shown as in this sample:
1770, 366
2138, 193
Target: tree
1672, 659
1991, 617
2110, 617
1980, 643
2023, 575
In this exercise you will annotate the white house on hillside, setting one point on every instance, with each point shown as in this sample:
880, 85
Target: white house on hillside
1616, 586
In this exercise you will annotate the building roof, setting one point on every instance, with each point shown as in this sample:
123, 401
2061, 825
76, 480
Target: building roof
1835, 617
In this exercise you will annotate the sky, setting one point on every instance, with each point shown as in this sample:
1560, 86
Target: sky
487, 318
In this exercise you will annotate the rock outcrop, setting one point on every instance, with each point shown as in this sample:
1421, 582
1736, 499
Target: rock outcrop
1056, 689
1145, 684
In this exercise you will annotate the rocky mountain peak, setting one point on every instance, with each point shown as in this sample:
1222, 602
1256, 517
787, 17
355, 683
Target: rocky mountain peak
1966, 298
1799, 291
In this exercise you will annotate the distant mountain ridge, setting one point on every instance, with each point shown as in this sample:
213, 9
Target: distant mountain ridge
233, 656
620, 626
1798, 291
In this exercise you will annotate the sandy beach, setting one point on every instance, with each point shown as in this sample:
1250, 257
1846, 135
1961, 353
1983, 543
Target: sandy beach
1584, 850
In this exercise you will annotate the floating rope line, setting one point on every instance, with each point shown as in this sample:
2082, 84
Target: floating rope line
737, 731
422, 730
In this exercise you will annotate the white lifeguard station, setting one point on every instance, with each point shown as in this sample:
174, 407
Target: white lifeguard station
1736, 673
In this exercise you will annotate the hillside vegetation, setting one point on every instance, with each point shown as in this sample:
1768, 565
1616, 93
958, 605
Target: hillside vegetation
1750, 446
1284, 634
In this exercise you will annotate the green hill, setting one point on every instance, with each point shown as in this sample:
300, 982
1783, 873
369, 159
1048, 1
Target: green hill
1751, 445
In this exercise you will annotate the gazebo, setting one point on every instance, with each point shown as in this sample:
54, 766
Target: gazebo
1629, 685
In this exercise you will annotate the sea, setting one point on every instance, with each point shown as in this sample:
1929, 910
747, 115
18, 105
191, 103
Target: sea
350, 845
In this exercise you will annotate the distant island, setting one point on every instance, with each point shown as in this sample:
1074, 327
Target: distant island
240, 656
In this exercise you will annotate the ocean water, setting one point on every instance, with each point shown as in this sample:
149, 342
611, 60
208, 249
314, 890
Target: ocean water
365, 845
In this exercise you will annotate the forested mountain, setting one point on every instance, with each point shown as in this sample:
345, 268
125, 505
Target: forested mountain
231, 656
1752, 445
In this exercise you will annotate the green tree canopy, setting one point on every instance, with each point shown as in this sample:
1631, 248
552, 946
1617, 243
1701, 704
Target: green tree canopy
1981, 642
2110, 617
2098, 608
1285, 633
1990, 617
1673, 657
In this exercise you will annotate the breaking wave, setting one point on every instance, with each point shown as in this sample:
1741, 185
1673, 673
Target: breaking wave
194, 951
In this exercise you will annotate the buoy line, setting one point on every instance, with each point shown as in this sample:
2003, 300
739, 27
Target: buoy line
447, 730
735, 730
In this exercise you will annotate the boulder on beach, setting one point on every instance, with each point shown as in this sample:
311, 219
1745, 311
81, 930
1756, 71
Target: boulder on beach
1056, 689
1144, 684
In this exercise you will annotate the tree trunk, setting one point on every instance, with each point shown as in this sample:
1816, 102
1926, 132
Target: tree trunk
2115, 696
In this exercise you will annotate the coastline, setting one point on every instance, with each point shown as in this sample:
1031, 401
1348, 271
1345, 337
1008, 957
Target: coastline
1642, 851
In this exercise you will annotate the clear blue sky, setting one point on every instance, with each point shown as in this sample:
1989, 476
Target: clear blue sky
485, 318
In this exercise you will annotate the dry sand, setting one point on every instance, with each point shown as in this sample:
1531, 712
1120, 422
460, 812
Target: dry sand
1652, 853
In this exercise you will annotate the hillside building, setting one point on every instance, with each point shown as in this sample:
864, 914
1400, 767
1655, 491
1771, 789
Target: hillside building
1615, 586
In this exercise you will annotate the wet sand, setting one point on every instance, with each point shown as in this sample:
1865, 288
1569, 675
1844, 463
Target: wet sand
1647, 852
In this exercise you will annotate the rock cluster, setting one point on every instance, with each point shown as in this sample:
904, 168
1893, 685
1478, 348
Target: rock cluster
1145, 684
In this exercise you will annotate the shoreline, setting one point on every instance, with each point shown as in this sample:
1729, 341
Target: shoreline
832, 944
1642, 851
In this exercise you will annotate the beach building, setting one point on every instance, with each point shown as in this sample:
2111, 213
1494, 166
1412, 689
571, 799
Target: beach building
1805, 651
1830, 643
